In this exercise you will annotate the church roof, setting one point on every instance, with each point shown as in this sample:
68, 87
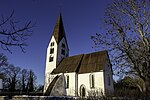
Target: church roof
69, 64
84, 63
93, 62
59, 31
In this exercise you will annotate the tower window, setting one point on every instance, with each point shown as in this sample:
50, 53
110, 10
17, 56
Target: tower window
63, 45
92, 85
52, 44
67, 81
63, 52
51, 50
51, 59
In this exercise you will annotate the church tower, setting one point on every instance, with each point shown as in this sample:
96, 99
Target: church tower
56, 50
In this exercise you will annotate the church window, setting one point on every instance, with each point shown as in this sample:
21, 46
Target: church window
63, 45
92, 81
51, 50
67, 81
63, 52
51, 59
52, 44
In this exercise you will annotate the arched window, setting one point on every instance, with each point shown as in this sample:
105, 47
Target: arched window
92, 83
67, 81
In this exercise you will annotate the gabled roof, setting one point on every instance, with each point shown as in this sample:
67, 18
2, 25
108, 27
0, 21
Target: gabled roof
59, 31
84, 63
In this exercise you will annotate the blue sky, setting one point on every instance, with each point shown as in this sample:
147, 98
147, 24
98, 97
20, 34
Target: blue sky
82, 18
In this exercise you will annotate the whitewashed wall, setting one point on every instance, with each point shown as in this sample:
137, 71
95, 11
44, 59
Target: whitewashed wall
50, 65
71, 91
83, 79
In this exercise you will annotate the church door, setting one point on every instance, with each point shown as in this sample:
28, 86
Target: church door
82, 91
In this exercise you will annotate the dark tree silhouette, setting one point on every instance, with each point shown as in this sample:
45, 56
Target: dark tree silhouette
11, 77
31, 81
24, 78
16, 79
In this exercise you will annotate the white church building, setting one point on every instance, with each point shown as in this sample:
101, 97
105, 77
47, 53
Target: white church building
79, 75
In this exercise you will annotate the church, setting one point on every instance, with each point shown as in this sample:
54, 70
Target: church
80, 75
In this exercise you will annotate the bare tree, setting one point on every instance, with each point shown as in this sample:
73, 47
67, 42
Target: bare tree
13, 33
16, 79
31, 81
11, 76
24, 78
127, 38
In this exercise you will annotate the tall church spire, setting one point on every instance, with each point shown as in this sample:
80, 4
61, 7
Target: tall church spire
59, 31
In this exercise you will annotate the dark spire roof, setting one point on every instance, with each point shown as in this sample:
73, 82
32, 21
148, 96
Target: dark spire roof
59, 31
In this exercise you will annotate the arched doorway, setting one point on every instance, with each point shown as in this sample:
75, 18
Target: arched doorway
82, 91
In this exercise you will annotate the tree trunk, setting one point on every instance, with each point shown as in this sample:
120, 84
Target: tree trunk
147, 84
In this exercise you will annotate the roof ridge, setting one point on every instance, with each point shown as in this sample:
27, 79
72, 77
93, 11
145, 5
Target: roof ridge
89, 53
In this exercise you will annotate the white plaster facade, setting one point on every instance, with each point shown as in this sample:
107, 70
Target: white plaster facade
71, 90
84, 80
50, 65
77, 81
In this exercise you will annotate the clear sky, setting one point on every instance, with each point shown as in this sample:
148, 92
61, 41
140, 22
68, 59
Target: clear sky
82, 18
